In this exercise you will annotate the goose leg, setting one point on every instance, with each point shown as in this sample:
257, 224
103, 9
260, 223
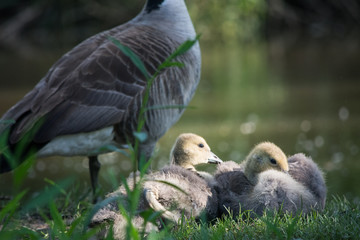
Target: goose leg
94, 167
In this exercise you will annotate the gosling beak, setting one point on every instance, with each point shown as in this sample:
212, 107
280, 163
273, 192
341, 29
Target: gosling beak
286, 172
214, 159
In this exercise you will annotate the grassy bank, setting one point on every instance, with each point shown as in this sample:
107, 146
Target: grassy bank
67, 218
340, 220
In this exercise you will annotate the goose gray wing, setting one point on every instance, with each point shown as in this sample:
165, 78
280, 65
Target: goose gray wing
90, 87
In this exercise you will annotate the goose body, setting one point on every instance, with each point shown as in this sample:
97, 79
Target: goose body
92, 95
196, 197
300, 190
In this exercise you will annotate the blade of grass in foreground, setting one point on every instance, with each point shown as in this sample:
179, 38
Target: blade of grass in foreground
10, 208
133, 57
47, 195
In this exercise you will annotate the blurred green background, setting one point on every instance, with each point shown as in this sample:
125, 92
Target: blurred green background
285, 71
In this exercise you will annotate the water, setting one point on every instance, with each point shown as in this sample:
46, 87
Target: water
303, 95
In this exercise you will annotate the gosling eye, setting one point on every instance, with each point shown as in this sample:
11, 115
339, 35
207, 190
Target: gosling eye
273, 161
201, 145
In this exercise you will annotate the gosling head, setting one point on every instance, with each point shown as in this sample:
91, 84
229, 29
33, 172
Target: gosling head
190, 150
264, 156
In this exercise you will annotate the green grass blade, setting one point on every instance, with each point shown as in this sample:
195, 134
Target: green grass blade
183, 48
133, 57
10, 208
22, 233
171, 64
47, 195
52, 183
20, 172
144, 166
141, 136
74, 225
56, 216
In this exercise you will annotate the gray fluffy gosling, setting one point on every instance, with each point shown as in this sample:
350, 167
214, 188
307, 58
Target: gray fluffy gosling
258, 185
195, 199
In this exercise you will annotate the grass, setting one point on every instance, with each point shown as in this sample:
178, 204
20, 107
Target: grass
340, 220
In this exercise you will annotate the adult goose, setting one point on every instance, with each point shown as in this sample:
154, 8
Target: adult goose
92, 95
196, 197
243, 187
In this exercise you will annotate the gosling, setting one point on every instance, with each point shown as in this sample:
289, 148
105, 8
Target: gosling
258, 185
240, 177
195, 199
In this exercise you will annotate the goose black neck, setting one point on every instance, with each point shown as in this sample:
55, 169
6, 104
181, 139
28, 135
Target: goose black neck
153, 5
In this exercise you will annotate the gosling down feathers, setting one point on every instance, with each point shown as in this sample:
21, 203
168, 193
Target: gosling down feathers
270, 189
92, 95
196, 197
305, 171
